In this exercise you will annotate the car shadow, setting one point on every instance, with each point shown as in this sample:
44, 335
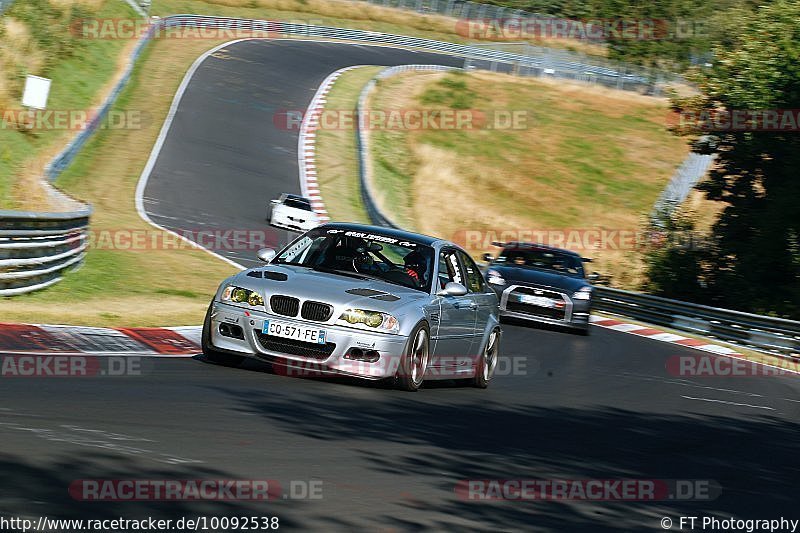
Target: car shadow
544, 326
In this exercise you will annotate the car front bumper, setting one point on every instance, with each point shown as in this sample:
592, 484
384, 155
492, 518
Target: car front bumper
389, 347
575, 313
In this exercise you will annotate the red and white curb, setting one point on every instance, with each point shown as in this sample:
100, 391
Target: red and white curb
661, 335
68, 340
306, 152
39, 339
656, 334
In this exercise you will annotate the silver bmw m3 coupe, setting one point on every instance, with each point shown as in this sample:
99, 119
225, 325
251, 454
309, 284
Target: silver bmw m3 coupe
362, 301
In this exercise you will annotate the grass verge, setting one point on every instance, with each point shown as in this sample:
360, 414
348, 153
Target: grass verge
579, 158
38, 38
116, 287
336, 149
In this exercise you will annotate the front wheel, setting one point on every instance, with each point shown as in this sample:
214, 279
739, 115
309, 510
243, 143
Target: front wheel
414, 362
488, 361
209, 352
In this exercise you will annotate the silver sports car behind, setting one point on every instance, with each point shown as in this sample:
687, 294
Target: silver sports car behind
362, 301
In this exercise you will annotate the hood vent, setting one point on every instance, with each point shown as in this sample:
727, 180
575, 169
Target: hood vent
268, 274
386, 298
375, 295
364, 292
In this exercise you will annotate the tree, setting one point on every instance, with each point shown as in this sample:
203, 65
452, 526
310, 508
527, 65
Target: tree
756, 257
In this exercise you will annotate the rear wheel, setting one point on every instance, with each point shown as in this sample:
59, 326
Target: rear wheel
210, 353
414, 362
488, 361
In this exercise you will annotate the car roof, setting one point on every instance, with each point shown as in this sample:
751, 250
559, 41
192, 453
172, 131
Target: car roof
389, 232
538, 246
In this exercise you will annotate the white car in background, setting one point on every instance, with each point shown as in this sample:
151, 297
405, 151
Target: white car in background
293, 212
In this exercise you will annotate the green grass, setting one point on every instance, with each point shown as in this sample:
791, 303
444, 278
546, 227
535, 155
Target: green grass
149, 287
337, 160
77, 81
116, 288
585, 158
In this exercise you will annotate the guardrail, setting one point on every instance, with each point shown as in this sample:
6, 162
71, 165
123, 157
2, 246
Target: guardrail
462, 10
372, 207
762, 332
693, 168
36, 249
537, 63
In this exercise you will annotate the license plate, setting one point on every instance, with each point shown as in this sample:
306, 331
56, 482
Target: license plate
288, 330
538, 301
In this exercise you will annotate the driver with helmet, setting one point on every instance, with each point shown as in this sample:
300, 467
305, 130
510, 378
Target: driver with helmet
416, 267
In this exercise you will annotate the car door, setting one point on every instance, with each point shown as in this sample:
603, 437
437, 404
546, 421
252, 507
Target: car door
481, 296
457, 315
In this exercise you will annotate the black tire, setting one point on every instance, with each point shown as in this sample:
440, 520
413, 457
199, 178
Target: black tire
487, 362
210, 353
411, 371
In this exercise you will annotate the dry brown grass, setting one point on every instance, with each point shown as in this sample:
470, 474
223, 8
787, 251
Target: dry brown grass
17, 49
124, 288
29, 190
93, 5
703, 211
595, 158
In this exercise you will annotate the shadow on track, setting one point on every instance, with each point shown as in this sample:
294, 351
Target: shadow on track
442, 445
32, 490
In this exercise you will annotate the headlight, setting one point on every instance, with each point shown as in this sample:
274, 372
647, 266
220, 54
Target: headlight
494, 277
239, 295
583, 294
369, 320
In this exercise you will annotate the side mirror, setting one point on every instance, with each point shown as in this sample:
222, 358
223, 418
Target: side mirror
452, 289
488, 257
266, 254
594, 276
275, 202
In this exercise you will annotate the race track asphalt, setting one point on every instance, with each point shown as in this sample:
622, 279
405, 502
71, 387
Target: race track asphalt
562, 407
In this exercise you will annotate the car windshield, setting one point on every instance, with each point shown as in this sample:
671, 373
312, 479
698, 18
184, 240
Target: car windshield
362, 254
542, 258
297, 203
